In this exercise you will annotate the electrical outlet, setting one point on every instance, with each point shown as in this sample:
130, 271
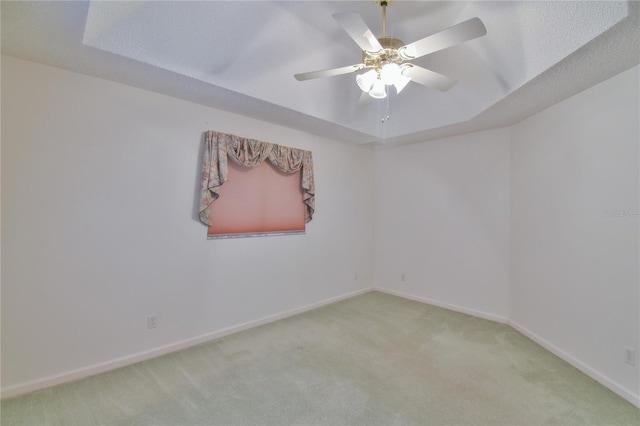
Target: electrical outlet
152, 321
630, 356
403, 277
355, 277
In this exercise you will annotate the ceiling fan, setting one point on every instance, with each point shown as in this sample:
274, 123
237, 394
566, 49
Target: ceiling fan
385, 57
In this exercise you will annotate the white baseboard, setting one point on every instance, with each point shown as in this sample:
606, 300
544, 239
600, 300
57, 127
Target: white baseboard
81, 373
472, 312
22, 388
594, 374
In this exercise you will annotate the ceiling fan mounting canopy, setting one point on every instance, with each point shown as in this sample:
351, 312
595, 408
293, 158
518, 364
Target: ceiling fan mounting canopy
385, 56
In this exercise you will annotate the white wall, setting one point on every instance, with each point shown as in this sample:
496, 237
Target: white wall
99, 229
442, 219
99, 192
574, 271
536, 225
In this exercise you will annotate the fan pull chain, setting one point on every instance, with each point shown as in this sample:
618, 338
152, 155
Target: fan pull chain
385, 119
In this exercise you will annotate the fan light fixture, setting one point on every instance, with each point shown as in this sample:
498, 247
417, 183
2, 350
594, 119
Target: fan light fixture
389, 75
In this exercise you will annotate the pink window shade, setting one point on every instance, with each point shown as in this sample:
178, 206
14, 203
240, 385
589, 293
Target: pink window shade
258, 200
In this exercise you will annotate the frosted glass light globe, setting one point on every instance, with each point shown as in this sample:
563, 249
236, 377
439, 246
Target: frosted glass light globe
379, 90
390, 73
365, 81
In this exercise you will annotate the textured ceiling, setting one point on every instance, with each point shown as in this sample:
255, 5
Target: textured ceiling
241, 56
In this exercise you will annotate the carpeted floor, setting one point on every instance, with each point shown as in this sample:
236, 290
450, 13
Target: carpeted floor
372, 360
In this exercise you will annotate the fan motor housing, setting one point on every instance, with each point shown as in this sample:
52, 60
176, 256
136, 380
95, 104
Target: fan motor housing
388, 56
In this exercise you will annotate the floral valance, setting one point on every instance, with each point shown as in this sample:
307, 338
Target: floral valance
250, 153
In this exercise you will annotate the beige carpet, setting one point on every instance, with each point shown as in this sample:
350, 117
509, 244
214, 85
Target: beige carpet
372, 360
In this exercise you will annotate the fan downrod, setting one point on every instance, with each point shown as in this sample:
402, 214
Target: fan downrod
384, 4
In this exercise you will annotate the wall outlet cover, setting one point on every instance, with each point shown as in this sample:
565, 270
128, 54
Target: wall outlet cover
152, 321
630, 356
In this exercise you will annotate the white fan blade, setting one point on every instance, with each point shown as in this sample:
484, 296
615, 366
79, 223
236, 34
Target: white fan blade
464, 31
428, 78
357, 29
328, 73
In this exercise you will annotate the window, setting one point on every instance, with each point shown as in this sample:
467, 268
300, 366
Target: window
268, 189
258, 200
